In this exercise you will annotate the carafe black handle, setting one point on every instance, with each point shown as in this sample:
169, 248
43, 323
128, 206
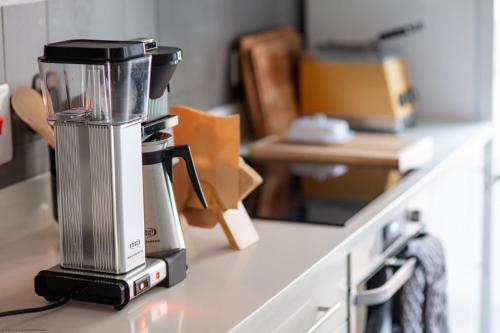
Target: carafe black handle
184, 152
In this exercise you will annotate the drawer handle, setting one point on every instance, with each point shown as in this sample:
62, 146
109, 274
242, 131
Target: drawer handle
383, 293
329, 311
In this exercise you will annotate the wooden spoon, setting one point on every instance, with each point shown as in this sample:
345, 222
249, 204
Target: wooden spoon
28, 104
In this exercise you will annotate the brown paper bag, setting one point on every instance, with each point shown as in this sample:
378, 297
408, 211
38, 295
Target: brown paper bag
216, 158
225, 177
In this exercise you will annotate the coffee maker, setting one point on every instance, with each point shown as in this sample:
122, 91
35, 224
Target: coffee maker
99, 110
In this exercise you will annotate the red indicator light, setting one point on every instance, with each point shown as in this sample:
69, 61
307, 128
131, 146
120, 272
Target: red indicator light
141, 284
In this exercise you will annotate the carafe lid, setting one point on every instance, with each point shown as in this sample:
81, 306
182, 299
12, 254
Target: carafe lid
84, 51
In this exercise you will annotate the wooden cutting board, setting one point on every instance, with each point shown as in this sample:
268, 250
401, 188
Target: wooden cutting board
286, 35
273, 65
366, 149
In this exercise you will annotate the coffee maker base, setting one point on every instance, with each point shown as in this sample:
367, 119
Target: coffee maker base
164, 269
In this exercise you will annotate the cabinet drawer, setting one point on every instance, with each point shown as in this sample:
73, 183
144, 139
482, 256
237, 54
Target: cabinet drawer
315, 302
342, 328
366, 256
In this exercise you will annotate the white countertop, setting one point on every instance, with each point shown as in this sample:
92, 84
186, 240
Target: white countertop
223, 287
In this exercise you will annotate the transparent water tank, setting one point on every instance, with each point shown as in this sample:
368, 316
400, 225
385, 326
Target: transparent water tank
95, 81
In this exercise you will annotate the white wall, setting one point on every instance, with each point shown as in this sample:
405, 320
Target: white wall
448, 61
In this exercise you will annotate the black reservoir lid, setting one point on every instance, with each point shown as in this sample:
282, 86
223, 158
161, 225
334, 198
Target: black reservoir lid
163, 64
90, 50
165, 55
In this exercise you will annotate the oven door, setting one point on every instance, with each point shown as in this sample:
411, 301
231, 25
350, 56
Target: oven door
373, 299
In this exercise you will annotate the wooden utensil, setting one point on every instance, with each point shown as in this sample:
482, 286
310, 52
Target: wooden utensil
368, 149
235, 223
249, 179
287, 35
28, 105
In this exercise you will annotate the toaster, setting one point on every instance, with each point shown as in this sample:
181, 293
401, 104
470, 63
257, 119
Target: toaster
371, 90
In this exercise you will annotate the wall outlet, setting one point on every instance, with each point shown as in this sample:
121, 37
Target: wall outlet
6, 150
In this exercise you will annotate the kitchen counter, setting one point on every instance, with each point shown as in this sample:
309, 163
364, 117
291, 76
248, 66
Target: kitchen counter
223, 287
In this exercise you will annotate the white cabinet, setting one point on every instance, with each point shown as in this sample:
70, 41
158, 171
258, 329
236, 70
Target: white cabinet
342, 328
453, 212
316, 302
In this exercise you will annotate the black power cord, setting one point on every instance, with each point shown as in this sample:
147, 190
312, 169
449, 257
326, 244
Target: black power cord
50, 306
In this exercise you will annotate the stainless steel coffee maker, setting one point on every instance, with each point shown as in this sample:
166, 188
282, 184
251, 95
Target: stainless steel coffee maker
97, 101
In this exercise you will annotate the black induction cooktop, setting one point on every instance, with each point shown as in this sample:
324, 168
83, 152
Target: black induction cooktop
329, 212
312, 193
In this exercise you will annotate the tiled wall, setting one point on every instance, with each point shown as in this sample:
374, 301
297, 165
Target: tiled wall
205, 29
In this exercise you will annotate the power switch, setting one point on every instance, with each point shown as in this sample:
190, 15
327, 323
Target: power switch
141, 285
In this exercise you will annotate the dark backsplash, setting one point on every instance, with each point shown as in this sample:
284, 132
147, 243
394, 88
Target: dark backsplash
207, 31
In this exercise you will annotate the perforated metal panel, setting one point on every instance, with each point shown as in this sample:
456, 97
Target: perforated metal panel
100, 197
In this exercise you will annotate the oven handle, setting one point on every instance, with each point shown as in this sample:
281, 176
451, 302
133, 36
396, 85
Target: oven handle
383, 293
